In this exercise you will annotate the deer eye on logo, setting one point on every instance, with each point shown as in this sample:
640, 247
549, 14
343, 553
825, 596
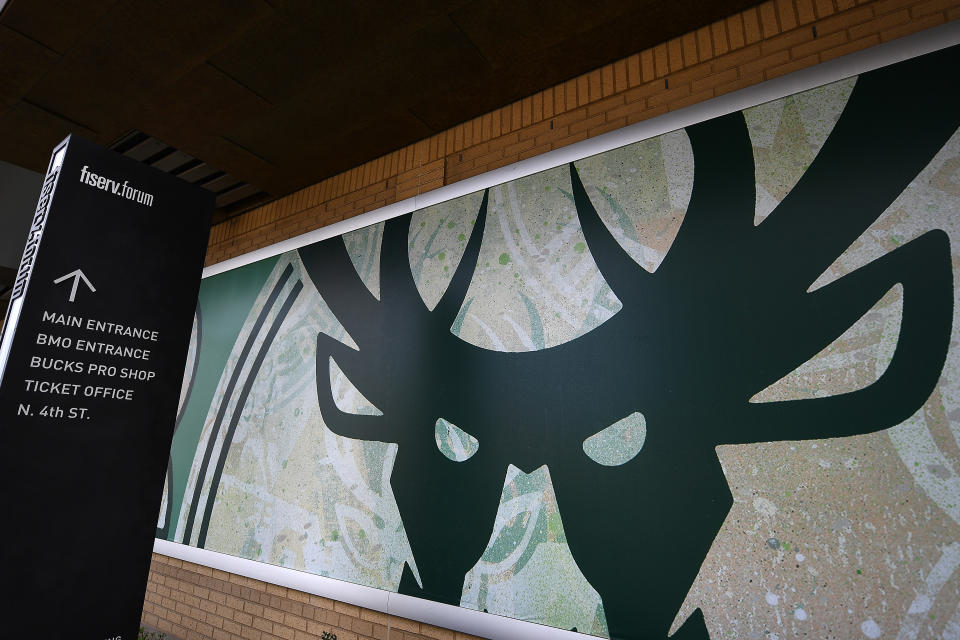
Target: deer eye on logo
619, 443
346, 396
453, 442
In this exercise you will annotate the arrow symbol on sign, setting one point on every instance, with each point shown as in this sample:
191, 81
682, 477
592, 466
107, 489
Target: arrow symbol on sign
77, 276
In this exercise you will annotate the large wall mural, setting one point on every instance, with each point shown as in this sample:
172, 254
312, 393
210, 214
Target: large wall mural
705, 384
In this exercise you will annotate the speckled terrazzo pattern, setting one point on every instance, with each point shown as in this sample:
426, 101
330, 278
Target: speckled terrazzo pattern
850, 537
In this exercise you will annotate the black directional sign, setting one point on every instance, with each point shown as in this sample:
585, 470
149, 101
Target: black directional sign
91, 361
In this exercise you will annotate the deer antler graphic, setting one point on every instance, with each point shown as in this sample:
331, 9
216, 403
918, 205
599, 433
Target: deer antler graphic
727, 313
408, 360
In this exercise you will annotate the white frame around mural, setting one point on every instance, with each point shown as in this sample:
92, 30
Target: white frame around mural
460, 618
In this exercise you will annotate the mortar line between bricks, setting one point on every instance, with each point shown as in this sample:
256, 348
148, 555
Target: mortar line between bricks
388, 615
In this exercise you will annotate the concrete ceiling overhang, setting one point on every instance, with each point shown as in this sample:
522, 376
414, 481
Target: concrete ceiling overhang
263, 97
